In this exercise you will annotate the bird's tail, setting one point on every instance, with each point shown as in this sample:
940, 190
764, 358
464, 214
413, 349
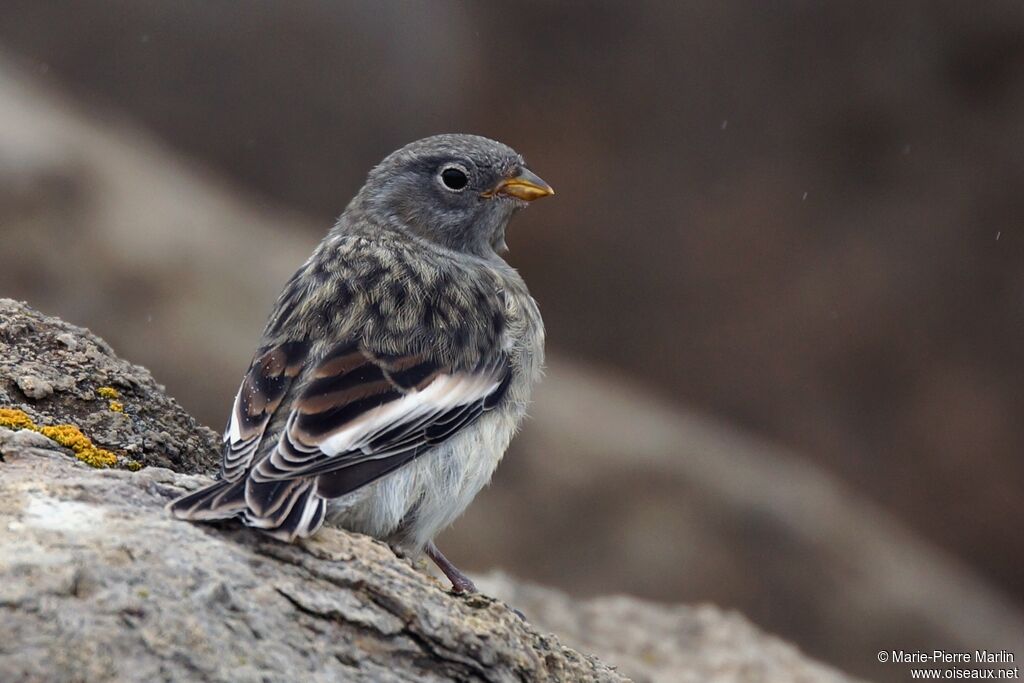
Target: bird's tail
220, 500
285, 510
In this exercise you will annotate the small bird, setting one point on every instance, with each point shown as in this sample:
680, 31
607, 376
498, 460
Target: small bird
397, 362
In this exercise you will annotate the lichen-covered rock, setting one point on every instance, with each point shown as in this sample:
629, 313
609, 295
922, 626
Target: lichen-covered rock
66, 383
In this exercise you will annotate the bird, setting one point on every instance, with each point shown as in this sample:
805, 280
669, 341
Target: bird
396, 364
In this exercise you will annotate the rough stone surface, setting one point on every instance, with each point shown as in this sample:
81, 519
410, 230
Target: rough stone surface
53, 372
97, 583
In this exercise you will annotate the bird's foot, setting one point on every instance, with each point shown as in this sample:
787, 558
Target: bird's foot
460, 582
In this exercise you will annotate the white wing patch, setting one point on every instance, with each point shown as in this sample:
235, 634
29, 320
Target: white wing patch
442, 394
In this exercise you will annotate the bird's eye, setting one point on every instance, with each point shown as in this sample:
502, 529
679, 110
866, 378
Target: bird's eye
454, 178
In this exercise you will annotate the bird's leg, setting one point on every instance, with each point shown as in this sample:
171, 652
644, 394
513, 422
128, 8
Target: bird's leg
460, 582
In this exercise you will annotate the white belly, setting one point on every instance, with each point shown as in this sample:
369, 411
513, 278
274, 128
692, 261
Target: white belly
412, 505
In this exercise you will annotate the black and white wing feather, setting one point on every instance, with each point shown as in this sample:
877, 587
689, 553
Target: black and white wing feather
352, 417
362, 415
264, 386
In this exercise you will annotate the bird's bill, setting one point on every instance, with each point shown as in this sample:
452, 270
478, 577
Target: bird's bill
527, 186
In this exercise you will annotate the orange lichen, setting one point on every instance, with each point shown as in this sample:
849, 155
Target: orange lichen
68, 436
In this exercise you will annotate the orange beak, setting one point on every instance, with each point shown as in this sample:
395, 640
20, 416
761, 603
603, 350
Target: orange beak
527, 186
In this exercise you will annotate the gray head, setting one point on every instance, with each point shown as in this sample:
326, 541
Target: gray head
457, 190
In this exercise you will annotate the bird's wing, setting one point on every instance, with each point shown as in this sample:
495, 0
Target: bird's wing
268, 379
360, 415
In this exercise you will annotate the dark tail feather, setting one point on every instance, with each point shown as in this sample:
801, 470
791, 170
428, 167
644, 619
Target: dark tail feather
285, 510
220, 500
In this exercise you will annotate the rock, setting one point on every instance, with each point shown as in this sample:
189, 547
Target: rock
692, 644
34, 387
98, 583
73, 379
23, 440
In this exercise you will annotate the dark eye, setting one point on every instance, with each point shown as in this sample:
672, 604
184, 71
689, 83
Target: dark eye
454, 178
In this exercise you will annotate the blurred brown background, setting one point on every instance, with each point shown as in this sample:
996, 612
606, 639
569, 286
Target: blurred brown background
801, 219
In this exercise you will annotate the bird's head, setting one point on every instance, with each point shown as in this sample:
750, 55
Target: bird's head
457, 190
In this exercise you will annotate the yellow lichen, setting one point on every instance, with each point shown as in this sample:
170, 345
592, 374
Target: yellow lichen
68, 436
108, 392
134, 465
73, 438
116, 406
16, 419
